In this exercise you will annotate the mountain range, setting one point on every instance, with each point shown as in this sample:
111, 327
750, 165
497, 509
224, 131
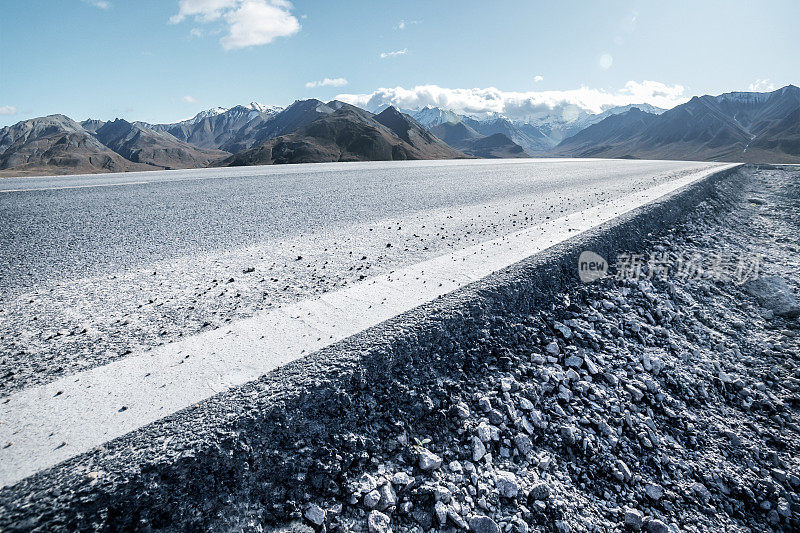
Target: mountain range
348, 133
737, 126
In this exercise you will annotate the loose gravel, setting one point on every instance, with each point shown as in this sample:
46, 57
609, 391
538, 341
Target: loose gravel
654, 405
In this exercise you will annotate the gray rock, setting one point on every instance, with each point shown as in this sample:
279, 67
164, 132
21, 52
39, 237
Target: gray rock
773, 517
496, 417
483, 524
402, 480
633, 519
525, 404
485, 404
574, 361
784, 509
774, 294
657, 526
478, 449
441, 494
523, 444
484, 432
701, 491
378, 522
654, 491
456, 519
371, 499
506, 483
562, 527
552, 348
462, 410
519, 526
315, 514
441, 513
564, 330
388, 497
294, 527
367, 483
539, 492
428, 460
623, 473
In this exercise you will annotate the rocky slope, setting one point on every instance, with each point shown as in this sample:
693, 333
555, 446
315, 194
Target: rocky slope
157, 149
496, 146
466, 139
56, 145
347, 134
612, 132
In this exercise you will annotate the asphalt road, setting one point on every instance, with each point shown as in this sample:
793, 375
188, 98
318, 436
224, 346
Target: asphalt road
59, 228
93, 268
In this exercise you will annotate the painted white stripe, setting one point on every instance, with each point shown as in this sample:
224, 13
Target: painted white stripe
45, 427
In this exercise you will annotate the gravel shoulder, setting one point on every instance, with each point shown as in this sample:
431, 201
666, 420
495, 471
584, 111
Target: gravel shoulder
657, 405
660, 405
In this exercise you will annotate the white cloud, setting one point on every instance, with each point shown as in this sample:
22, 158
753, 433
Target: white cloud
99, 4
8, 110
249, 22
203, 10
521, 105
403, 24
257, 22
190, 99
396, 53
327, 82
605, 61
537, 79
761, 86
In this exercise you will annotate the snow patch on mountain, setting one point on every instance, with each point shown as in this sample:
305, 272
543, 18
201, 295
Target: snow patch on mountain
743, 97
430, 116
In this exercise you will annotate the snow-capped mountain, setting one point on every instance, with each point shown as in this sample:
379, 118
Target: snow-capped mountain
261, 108
208, 113
217, 127
570, 128
536, 133
741, 97
430, 116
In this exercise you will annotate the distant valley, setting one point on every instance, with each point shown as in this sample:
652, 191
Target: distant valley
739, 126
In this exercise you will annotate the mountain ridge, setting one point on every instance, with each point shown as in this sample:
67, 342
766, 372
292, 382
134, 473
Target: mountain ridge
734, 126
56, 144
150, 147
737, 126
348, 134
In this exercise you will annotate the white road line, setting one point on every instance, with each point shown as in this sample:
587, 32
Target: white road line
51, 423
78, 186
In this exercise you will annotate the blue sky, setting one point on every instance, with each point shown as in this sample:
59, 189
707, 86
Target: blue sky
162, 61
